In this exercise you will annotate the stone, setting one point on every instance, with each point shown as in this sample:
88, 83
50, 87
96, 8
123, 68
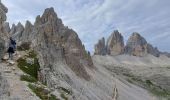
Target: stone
115, 44
30, 61
100, 47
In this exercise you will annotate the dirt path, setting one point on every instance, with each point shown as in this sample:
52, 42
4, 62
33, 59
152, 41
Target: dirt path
18, 90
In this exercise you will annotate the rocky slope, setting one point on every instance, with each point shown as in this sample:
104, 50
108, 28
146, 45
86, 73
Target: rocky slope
68, 70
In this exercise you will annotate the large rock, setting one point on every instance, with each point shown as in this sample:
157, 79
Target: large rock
115, 44
100, 47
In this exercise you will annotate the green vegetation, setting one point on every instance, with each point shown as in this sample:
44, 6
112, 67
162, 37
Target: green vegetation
24, 46
31, 69
28, 78
149, 85
39, 91
63, 96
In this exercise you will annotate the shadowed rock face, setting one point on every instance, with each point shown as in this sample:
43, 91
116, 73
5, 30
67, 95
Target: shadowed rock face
115, 44
100, 48
56, 45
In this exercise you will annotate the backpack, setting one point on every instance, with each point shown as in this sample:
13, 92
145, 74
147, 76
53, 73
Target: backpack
13, 42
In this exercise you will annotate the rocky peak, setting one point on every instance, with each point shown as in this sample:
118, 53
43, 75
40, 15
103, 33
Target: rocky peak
27, 32
100, 48
49, 15
57, 45
16, 31
13, 29
136, 45
115, 43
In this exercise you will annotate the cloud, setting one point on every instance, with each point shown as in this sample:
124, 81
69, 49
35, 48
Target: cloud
93, 19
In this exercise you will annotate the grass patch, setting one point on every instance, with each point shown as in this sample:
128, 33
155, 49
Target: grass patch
39, 91
28, 78
24, 46
31, 69
53, 97
63, 96
150, 86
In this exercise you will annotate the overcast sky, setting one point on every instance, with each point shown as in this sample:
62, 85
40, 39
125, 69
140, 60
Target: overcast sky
93, 19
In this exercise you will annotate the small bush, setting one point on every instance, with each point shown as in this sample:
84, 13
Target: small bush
31, 69
39, 91
53, 97
24, 46
63, 96
149, 83
28, 78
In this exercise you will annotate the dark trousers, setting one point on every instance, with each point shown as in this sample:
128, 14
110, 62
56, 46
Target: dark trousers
10, 56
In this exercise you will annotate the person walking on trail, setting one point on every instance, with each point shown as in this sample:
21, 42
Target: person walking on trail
12, 48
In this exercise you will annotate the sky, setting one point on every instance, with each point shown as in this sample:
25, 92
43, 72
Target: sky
94, 19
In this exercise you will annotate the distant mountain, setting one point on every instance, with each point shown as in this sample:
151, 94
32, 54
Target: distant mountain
136, 46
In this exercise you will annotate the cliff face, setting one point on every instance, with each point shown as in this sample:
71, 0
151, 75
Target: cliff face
56, 45
115, 44
3, 28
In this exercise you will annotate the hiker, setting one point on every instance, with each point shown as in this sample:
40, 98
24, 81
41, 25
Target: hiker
12, 48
